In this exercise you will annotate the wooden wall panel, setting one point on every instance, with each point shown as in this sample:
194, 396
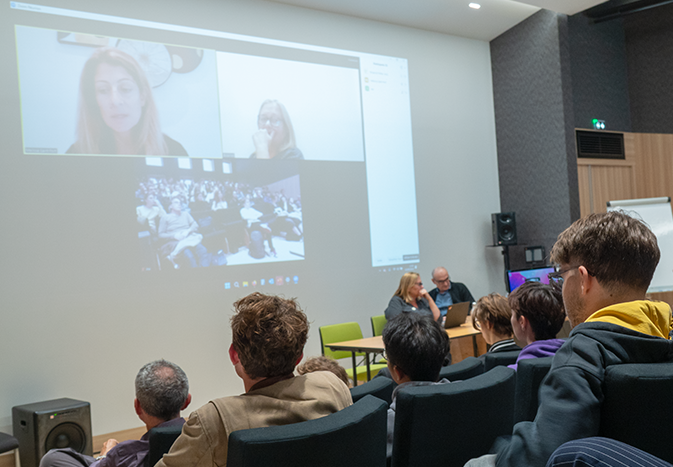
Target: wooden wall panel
663, 296
601, 181
654, 172
611, 183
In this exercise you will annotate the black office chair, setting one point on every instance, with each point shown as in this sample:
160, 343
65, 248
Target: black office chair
465, 369
9, 443
354, 436
161, 439
636, 407
377, 387
529, 375
493, 359
448, 424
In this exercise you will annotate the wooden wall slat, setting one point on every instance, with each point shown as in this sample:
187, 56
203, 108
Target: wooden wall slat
654, 173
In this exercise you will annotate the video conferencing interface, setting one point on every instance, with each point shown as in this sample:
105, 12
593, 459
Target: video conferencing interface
226, 150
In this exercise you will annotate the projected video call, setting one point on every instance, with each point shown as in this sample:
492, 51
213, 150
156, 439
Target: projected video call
127, 97
223, 144
203, 218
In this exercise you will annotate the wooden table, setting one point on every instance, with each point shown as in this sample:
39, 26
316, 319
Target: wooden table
374, 345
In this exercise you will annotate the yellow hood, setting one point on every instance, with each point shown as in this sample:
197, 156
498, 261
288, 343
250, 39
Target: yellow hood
648, 317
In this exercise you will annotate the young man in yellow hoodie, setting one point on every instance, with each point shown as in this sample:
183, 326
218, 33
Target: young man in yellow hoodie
606, 264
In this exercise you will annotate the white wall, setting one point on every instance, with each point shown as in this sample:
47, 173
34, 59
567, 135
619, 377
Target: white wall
59, 338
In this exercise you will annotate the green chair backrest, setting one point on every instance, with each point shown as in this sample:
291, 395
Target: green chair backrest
378, 323
338, 333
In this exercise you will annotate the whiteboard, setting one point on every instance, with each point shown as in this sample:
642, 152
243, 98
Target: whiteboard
657, 214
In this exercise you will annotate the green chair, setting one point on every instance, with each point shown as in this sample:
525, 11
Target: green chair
378, 323
347, 332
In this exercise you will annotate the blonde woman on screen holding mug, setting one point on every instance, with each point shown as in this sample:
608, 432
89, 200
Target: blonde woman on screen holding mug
274, 138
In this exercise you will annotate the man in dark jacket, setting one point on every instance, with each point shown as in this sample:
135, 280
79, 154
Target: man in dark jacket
162, 391
447, 293
606, 264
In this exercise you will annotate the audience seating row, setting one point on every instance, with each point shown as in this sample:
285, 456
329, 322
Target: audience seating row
445, 424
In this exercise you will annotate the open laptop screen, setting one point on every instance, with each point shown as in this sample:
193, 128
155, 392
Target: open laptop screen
518, 277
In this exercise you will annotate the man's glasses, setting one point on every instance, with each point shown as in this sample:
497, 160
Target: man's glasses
442, 281
558, 275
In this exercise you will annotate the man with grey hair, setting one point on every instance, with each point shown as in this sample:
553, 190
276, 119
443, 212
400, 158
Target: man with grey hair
162, 391
447, 292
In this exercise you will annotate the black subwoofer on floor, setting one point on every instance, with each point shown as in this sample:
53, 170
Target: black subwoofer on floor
59, 423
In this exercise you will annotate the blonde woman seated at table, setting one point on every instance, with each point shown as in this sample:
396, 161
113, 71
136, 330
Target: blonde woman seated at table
411, 296
492, 316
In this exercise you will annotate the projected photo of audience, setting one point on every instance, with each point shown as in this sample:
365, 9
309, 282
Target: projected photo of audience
292, 108
205, 219
116, 96
275, 135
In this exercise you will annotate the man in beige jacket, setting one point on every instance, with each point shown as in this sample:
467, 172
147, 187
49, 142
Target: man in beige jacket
268, 340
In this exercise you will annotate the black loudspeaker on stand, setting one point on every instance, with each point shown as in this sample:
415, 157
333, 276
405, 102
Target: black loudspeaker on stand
59, 423
504, 228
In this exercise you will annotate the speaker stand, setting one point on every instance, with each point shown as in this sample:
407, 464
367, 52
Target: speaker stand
505, 254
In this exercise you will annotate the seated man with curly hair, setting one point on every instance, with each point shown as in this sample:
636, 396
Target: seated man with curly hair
268, 340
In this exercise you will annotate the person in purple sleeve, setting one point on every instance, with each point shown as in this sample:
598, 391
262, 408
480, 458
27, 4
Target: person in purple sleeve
162, 391
537, 317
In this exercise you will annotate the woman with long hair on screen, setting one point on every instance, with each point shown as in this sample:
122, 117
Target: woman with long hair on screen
274, 138
411, 296
117, 114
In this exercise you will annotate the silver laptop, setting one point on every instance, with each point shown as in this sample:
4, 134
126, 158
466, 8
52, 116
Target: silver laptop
456, 314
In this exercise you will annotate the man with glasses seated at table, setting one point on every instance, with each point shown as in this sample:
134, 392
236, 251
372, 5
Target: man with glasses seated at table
606, 264
446, 292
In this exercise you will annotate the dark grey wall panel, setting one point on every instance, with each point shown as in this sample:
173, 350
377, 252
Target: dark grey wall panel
532, 89
649, 55
599, 77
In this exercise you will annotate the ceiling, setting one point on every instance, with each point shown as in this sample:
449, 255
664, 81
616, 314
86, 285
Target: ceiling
447, 16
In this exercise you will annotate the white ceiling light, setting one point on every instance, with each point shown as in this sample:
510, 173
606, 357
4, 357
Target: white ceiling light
476, 6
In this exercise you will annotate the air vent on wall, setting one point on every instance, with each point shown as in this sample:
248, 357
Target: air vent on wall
593, 144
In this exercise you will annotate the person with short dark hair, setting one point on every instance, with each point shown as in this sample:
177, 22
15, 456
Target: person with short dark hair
323, 363
537, 317
416, 347
606, 262
268, 338
162, 391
